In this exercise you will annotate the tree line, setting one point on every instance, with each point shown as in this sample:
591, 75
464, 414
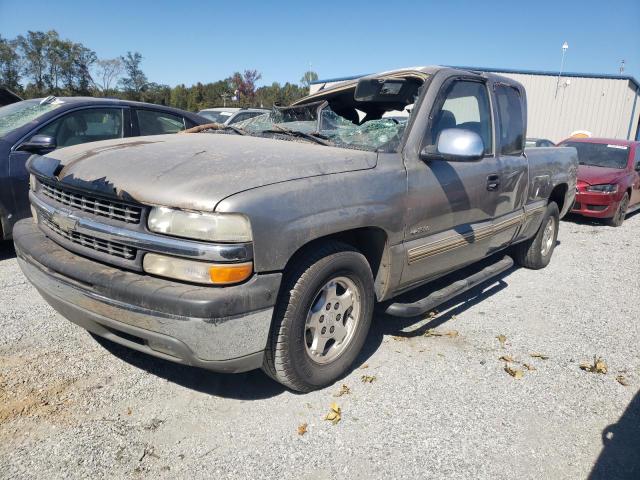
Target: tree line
39, 64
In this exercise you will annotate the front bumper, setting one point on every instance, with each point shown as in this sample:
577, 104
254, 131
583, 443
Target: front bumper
219, 328
597, 205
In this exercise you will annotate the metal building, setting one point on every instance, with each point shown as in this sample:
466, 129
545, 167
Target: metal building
603, 105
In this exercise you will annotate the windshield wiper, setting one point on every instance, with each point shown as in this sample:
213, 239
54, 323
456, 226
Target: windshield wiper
296, 133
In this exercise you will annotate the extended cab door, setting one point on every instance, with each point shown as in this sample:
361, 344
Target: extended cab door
510, 120
451, 204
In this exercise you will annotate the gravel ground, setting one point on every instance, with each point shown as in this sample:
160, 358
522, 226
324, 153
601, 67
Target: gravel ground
439, 406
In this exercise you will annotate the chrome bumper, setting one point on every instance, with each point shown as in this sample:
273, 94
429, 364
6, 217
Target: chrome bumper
221, 329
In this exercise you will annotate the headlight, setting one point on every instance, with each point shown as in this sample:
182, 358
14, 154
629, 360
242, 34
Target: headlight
196, 271
607, 188
214, 227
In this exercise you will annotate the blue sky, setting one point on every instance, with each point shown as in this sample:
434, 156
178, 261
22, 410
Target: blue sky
187, 42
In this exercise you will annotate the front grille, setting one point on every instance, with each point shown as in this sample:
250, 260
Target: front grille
97, 244
97, 206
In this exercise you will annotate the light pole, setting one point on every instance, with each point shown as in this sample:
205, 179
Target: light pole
565, 47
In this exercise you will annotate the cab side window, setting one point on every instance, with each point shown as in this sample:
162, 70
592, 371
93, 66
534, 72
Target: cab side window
88, 125
636, 160
466, 106
510, 120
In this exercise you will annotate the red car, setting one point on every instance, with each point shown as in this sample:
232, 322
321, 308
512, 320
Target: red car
608, 178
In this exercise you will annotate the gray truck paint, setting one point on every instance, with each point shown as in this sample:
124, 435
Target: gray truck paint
416, 220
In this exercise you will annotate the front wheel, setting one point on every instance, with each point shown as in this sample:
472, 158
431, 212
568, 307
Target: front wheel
322, 317
536, 252
621, 212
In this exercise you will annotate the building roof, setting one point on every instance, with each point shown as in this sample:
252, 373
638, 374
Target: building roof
508, 70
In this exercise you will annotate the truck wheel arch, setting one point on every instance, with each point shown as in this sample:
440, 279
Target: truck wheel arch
558, 195
370, 241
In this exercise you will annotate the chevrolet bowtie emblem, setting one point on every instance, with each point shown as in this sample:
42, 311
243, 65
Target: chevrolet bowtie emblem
64, 221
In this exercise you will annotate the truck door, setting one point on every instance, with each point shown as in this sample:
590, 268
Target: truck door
451, 204
510, 120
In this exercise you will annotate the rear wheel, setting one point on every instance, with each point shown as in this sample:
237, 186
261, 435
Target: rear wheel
618, 218
322, 318
536, 252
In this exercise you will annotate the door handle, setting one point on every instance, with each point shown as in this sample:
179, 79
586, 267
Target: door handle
493, 182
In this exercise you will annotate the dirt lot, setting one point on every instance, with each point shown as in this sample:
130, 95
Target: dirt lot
437, 406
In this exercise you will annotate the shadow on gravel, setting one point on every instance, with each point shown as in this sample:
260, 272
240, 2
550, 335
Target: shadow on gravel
6, 250
241, 386
620, 455
256, 385
384, 324
593, 222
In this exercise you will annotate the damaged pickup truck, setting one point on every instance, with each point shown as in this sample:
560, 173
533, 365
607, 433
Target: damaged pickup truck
266, 244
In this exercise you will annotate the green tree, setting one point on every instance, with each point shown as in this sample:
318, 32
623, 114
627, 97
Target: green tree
10, 65
106, 74
135, 81
33, 50
308, 77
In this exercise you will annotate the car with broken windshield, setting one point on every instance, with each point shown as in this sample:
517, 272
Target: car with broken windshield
41, 125
608, 178
266, 244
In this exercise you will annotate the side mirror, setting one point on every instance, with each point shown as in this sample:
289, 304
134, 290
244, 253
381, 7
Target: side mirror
39, 144
455, 144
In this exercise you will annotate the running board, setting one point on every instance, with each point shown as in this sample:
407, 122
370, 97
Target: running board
438, 297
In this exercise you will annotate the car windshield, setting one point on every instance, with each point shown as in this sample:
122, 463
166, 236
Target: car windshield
320, 121
215, 116
601, 154
18, 114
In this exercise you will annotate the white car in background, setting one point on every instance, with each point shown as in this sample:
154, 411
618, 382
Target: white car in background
228, 116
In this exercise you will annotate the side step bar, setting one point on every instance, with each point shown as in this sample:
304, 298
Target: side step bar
438, 297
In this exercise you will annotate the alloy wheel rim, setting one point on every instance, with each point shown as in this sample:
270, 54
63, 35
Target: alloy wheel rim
547, 236
332, 319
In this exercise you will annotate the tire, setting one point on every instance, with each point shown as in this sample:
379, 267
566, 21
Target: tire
536, 252
296, 355
618, 218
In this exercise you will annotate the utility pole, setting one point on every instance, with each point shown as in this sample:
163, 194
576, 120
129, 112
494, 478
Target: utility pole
224, 99
621, 66
565, 47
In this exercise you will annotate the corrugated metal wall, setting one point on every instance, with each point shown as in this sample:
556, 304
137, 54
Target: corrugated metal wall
601, 106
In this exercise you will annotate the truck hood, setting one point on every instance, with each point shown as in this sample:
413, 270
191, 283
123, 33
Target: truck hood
599, 175
194, 171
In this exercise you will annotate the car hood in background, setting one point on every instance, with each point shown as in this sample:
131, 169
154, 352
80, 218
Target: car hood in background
599, 175
194, 171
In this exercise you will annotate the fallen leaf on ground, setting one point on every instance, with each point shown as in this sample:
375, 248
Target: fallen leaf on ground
367, 378
364, 366
433, 313
539, 355
507, 358
502, 339
129, 411
398, 338
622, 380
302, 429
514, 372
335, 414
433, 333
344, 390
598, 366
528, 367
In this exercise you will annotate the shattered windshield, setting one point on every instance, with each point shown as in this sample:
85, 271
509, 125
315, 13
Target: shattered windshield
321, 121
18, 114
